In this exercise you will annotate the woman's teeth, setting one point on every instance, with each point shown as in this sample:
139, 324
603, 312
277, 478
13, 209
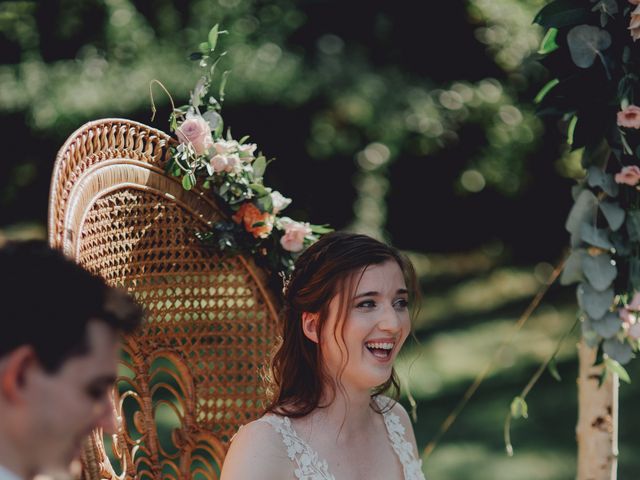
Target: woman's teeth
380, 349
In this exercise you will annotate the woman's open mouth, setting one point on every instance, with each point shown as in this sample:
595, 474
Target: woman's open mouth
381, 350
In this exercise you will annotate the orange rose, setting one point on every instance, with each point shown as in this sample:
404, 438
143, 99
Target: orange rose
251, 215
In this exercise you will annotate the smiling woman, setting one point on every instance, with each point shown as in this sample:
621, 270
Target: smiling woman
345, 318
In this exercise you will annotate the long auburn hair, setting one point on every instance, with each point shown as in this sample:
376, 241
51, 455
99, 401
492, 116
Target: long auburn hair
332, 266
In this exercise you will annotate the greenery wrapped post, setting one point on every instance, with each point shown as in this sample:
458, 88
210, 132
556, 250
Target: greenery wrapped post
591, 52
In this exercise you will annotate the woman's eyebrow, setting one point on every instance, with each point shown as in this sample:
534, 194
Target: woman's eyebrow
367, 294
400, 291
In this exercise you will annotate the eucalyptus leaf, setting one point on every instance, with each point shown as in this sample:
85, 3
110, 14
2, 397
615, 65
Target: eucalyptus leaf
572, 272
613, 213
593, 302
582, 211
597, 178
618, 369
589, 335
607, 326
585, 43
599, 271
619, 351
597, 237
633, 225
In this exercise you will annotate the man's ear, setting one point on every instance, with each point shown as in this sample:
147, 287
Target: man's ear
13, 372
310, 325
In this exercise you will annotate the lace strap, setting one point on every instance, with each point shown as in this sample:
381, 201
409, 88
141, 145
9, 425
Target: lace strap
309, 466
411, 466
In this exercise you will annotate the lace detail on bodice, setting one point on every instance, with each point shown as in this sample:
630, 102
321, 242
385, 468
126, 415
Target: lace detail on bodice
411, 466
309, 466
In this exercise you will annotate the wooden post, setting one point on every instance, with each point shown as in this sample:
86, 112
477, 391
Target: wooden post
597, 428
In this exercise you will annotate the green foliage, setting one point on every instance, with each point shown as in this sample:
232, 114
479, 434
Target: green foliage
596, 96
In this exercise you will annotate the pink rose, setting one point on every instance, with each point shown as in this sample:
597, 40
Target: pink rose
630, 116
234, 165
294, 235
219, 163
224, 147
629, 175
635, 301
196, 131
634, 331
628, 318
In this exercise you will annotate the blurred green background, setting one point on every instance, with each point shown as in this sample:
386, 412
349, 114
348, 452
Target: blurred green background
411, 121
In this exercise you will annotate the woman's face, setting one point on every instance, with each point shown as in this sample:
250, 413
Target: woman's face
376, 324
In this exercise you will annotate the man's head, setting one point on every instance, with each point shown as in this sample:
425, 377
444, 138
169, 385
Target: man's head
58, 355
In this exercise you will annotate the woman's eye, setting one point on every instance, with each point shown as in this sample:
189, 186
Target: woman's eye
366, 304
401, 304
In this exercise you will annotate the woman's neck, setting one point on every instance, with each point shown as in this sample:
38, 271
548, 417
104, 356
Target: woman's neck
348, 413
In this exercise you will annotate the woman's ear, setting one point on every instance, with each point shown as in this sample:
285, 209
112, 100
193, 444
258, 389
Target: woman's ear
310, 325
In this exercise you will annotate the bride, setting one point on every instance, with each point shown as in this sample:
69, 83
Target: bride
344, 320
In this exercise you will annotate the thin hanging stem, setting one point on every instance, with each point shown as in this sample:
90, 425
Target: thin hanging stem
452, 417
534, 379
153, 105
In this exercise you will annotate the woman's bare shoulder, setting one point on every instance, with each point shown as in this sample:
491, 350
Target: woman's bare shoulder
256, 452
404, 418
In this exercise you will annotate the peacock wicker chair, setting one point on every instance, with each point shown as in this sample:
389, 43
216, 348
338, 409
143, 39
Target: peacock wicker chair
190, 377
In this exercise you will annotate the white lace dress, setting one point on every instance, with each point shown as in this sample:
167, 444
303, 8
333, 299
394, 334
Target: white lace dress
310, 467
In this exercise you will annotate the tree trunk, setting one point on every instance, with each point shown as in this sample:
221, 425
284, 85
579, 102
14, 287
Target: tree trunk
597, 429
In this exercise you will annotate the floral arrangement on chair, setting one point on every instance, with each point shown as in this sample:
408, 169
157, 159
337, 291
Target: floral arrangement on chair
591, 51
232, 170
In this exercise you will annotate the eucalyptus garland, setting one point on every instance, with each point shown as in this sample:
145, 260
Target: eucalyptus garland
233, 172
591, 52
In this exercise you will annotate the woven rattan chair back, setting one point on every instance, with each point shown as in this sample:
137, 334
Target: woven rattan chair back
190, 377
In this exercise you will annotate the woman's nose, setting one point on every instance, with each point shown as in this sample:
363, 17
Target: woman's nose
390, 321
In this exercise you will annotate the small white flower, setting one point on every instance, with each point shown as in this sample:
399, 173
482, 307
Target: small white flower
280, 202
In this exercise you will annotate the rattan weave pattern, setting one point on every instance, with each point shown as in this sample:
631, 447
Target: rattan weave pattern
190, 377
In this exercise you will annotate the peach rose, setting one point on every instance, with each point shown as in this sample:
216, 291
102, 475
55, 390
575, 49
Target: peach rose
629, 175
251, 215
634, 23
294, 235
196, 131
629, 117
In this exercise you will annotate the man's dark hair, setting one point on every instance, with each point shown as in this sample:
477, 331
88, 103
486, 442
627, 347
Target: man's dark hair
47, 300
